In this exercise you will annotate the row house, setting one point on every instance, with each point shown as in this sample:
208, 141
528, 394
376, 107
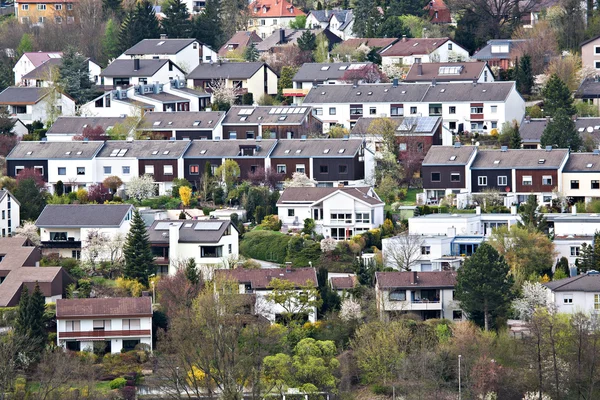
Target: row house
474, 71
532, 129
313, 74
408, 51
137, 71
10, 211
183, 126
281, 39
104, 325
270, 122
39, 12
64, 129
30, 104
338, 212
581, 177
267, 16
500, 53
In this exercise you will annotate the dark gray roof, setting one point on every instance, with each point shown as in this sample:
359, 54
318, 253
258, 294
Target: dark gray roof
324, 71
519, 158
531, 130
76, 125
368, 93
159, 46
464, 91
43, 71
191, 91
55, 150
446, 72
271, 115
228, 148
194, 120
589, 89
486, 52
21, 95
83, 215
589, 282
125, 68
318, 148
190, 231
449, 155
324, 15
583, 162
164, 97
315, 194
145, 149
291, 37
421, 126
231, 70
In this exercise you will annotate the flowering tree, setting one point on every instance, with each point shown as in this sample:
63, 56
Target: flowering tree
98, 193
30, 173
92, 133
221, 93
328, 244
30, 231
140, 188
370, 73
267, 177
299, 179
534, 296
185, 194
350, 310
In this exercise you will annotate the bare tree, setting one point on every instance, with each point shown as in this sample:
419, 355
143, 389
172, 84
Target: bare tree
403, 251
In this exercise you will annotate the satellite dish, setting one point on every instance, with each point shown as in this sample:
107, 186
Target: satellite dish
590, 129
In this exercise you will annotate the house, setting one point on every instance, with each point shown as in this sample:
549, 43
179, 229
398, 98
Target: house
266, 16
426, 294
532, 129
17, 253
341, 24
256, 282
408, 51
116, 103
137, 71
238, 43
42, 75
320, 19
313, 74
52, 281
580, 293
462, 226
590, 53
581, 177
499, 53
447, 170
589, 91
30, 61
186, 54
369, 43
72, 163
339, 212
183, 126
438, 12
30, 104
35, 13
250, 155
329, 162
429, 252
270, 122
536, 11
212, 243
246, 77
66, 229
10, 211
281, 38
342, 284
65, 128
475, 71
105, 325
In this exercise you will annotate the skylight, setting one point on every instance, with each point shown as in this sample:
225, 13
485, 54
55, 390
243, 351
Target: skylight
590, 165
68, 153
282, 118
203, 151
122, 152
496, 162
340, 151
160, 43
156, 123
165, 152
114, 153
325, 68
155, 152
242, 119
452, 158
78, 153
343, 68
287, 151
326, 151
541, 161
298, 151
29, 153
196, 123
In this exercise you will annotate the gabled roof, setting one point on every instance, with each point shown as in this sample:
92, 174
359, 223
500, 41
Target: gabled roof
486, 52
367, 93
326, 71
464, 91
37, 58
15, 95
190, 231
291, 36
317, 148
194, 120
239, 40
589, 282
325, 15
343, 16
417, 126
317, 194
260, 279
413, 46
589, 40
223, 70
43, 71
446, 72
520, 159
343, 282
583, 162
104, 307
589, 89
145, 149
369, 42
449, 155
266, 115
122, 68
412, 279
229, 148
76, 125
274, 9
55, 150
18, 252
83, 215
159, 46
52, 282
531, 129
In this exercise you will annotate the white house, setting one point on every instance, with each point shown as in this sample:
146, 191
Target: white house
66, 229
438, 72
313, 74
10, 216
341, 24
256, 283
266, 16
580, 293
106, 325
451, 225
136, 71
408, 51
42, 75
426, 294
30, 61
30, 104
428, 252
339, 212
64, 129
581, 177
212, 243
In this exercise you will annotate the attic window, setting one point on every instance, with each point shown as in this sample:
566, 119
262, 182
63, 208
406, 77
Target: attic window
68, 153
590, 165
78, 153
442, 90
496, 162
452, 158
209, 121
403, 92
165, 152
416, 44
581, 129
484, 90
29, 153
323, 93
203, 151
160, 43
325, 68
287, 151
541, 161
340, 151
170, 123
155, 152
243, 119
196, 123
298, 151
358, 93
386, 90
157, 123
85, 125
282, 118
370, 93
326, 151
343, 68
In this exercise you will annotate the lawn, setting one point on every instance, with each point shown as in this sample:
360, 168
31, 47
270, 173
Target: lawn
411, 197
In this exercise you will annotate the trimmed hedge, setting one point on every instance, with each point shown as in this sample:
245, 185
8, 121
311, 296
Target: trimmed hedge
265, 245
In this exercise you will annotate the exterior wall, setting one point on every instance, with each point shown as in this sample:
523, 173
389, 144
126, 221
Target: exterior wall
163, 75
240, 130
537, 186
585, 184
445, 174
271, 25
207, 265
445, 305
12, 165
301, 212
159, 175
582, 301
201, 163
439, 247
580, 226
9, 215
116, 164
71, 176
246, 164
32, 15
117, 108
355, 168
291, 165
589, 54
492, 180
563, 247
38, 111
23, 66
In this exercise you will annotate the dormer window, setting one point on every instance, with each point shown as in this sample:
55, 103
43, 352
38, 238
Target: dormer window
541, 161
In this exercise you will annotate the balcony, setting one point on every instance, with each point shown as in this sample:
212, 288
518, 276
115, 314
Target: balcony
103, 334
62, 244
418, 305
295, 92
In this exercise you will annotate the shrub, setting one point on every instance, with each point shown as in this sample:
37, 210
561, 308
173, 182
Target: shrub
82, 196
117, 383
265, 245
207, 210
133, 287
128, 393
381, 390
271, 223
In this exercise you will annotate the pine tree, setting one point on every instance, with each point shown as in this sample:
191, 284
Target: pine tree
75, 76
35, 310
331, 300
110, 41
586, 260
367, 19
250, 52
524, 75
112, 7
515, 140
484, 287
22, 322
307, 41
191, 271
176, 23
207, 26
139, 24
530, 217
557, 97
139, 262
6, 122
561, 132
596, 246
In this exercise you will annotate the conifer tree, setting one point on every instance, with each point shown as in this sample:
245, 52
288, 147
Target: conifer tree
515, 140
139, 24
207, 26
250, 53
530, 217
561, 132
557, 97
75, 76
176, 23
524, 75
139, 262
22, 323
30, 318
110, 41
307, 41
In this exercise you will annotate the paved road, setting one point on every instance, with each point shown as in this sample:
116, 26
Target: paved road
266, 264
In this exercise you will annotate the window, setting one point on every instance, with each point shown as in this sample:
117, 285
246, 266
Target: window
527, 180
332, 110
502, 180
425, 250
291, 212
596, 49
70, 7
149, 169
482, 180
449, 44
25, 20
494, 109
568, 299
452, 125
24, 7
402, 147
3, 214
455, 177
396, 110
58, 235
58, 7
343, 218
318, 111
41, 20
546, 180
494, 124
436, 177
125, 170
41, 7
457, 315
58, 20
435, 109
324, 169
101, 324
211, 251
413, 110
194, 169
372, 110
18, 170
76, 254
80, 170
575, 251
356, 110
38, 170
574, 184
300, 168
274, 22
597, 64
131, 324
362, 217
73, 326
398, 295
168, 170
343, 169
107, 170
129, 345
596, 301
595, 184
452, 110
281, 168
70, 20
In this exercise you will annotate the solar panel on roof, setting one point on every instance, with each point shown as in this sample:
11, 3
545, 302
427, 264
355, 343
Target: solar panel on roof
302, 110
164, 226
272, 111
278, 111
208, 226
114, 153
296, 111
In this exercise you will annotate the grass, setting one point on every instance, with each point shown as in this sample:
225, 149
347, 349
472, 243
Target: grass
101, 281
411, 197
103, 387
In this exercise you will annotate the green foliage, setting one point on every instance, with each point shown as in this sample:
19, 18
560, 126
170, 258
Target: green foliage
25, 45
530, 217
118, 383
393, 27
75, 76
177, 183
366, 19
524, 75
301, 252
251, 53
534, 111
30, 319
299, 22
557, 98
192, 273
561, 132
176, 23
207, 25
331, 300
248, 99
586, 109
309, 226
32, 199
321, 52
139, 261
139, 24
307, 41
271, 223
285, 78
265, 245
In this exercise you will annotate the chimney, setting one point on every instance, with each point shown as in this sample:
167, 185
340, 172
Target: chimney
404, 38
433, 82
173, 245
573, 210
478, 210
288, 266
281, 36
451, 232
413, 277
136, 64
419, 69
395, 82
163, 36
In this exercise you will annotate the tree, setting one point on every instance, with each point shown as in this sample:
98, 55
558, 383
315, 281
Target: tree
330, 299
530, 217
223, 96
557, 98
370, 73
393, 27
525, 75
30, 318
110, 40
286, 77
321, 53
586, 261
294, 300
75, 76
207, 25
251, 53
539, 43
98, 193
31, 197
185, 194
366, 19
299, 179
299, 22
140, 188
6, 122
403, 251
176, 23
309, 226
386, 128
268, 177
533, 296
139, 261
112, 183
514, 137
561, 133
25, 45
139, 24
229, 172
29, 230
483, 285
112, 8
307, 41
92, 133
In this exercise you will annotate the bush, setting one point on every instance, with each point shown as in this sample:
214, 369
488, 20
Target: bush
117, 383
271, 223
207, 210
265, 245
381, 390
133, 287
128, 393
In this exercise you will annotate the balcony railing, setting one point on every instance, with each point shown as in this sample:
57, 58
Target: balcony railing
62, 244
102, 334
425, 305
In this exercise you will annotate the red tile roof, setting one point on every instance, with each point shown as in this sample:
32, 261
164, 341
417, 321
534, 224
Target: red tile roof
240, 40
107, 307
261, 278
343, 282
274, 9
410, 46
369, 42
409, 279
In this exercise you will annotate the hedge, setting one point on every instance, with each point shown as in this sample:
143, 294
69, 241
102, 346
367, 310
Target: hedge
265, 245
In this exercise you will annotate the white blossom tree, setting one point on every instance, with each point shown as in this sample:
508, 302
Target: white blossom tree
30, 231
221, 93
140, 188
350, 310
536, 396
403, 251
534, 296
328, 244
299, 179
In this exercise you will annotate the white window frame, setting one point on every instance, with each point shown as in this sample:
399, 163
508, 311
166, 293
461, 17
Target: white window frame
453, 174
494, 109
104, 169
425, 250
281, 169
482, 181
149, 169
41, 7
167, 169
58, 7
547, 180
362, 217
301, 168
503, 180
527, 180
25, 7
128, 169
575, 251
568, 299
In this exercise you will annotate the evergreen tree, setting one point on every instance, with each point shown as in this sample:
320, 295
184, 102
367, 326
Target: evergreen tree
6, 122
176, 23
22, 322
530, 217
25, 45
191, 271
393, 27
366, 19
112, 8
32, 199
524, 75
515, 140
207, 26
483, 286
561, 132
407, 7
250, 53
586, 260
139, 24
30, 317
75, 76
330, 299
307, 41
110, 41
596, 246
139, 262
557, 97
562, 265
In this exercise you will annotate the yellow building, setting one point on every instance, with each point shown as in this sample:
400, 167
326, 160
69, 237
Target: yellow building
38, 12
